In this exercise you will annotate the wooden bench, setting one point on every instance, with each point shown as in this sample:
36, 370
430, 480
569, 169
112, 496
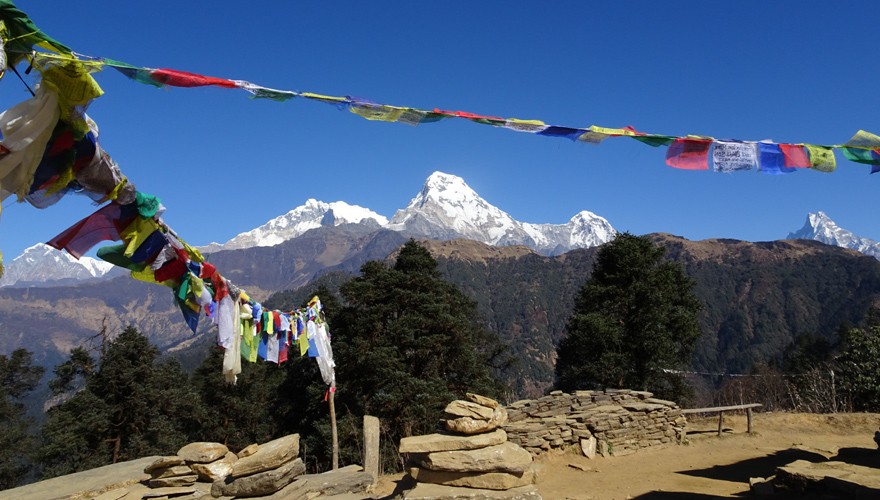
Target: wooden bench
721, 409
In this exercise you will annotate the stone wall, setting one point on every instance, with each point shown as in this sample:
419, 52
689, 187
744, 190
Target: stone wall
611, 422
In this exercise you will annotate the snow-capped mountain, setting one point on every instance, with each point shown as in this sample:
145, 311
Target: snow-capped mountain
42, 263
445, 208
448, 208
820, 227
299, 220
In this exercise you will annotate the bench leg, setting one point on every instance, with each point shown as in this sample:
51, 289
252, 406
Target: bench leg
749, 418
720, 421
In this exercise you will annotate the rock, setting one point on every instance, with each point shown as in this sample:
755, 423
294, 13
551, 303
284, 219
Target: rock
173, 482
338, 482
167, 492
114, 494
177, 470
469, 425
269, 456
460, 408
202, 452
505, 457
260, 484
588, 447
444, 442
482, 480
761, 487
427, 491
856, 481
482, 400
164, 462
216, 470
248, 450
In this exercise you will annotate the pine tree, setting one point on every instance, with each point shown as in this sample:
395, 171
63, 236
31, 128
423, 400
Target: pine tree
133, 405
406, 344
18, 376
635, 320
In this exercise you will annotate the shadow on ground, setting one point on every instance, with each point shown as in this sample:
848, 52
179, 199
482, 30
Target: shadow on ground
765, 466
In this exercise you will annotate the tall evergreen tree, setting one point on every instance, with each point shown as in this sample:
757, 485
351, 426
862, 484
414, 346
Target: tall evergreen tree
18, 376
407, 343
859, 368
634, 318
133, 405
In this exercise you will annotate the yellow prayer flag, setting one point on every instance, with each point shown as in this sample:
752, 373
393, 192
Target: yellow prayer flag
524, 125
380, 112
821, 158
864, 140
325, 98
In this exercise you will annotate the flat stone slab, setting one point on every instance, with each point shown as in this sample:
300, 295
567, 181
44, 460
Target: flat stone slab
85, 484
168, 492
268, 456
505, 457
426, 491
341, 482
445, 442
203, 452
840, 477
481, 480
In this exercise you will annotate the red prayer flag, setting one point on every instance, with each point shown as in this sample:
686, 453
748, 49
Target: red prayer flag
185, 79
689, 154
105, 224
795, 155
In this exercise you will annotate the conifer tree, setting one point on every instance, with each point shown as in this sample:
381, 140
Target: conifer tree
407, 343
634, 323
133, 405
18, 376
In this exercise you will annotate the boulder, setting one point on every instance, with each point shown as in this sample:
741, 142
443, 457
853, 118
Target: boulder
459, 408
217, 469
427, 491
482, 480
470, 425
445, 442
271, 455
261, 483
482, 400
173, 482
177, 470
248, 450
505, 457
202, 452
164, 462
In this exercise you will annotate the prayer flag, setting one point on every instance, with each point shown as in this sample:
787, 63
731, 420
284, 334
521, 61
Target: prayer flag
771, 160
186, 79
795, 155
689, 154
567, 132
105, 224
653, 140
858, 155
730, 156
864, 140
376, 112
530, 126
821, 158
260, 92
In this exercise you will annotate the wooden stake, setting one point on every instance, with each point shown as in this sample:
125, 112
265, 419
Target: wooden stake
333, 427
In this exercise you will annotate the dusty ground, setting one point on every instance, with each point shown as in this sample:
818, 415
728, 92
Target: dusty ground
708, 466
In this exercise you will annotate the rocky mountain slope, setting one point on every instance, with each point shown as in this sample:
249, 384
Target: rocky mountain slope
43, 264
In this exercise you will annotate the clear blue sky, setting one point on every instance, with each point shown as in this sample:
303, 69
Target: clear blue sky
223, 163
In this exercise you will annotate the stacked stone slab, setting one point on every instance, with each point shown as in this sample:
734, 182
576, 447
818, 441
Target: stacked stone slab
254, 471
610, 422
473, 459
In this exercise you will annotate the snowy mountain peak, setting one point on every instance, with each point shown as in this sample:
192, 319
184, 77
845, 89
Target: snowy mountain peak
820, 227
310, 215
41, 263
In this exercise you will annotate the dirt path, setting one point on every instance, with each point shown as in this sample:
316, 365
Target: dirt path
709, 466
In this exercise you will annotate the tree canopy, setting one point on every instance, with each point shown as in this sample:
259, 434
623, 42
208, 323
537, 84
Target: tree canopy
18, 376
634, 322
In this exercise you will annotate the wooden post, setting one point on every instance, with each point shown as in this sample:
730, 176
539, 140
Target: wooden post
720, 421
749, 419
333, 427
371, 446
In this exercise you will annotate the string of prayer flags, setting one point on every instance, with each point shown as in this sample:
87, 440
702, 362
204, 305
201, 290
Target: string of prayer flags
687, 152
